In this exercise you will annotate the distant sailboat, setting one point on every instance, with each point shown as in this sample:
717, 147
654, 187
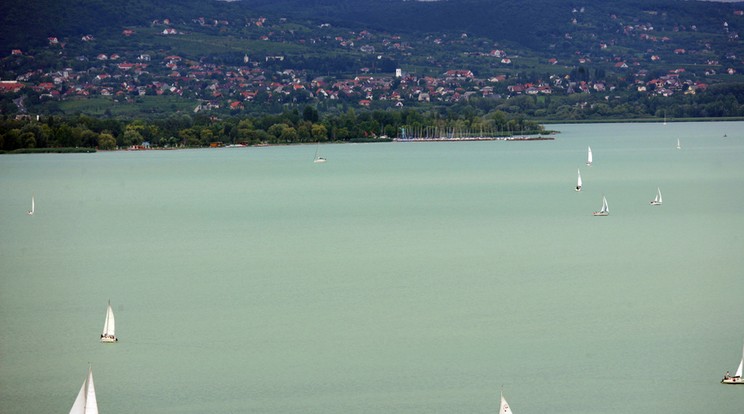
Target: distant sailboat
504, 406
736, 379
33, 207
318, 158
578, 182
678, 144
109, 327
605, 211
657, 200
589, 156
86, 402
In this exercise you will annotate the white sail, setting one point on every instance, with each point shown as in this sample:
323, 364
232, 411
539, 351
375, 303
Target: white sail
504, 406
109, 326
33, 207
678, 144
741, 365
657, 200
605, 210
86, 402
578, 182
589, 156
318, 158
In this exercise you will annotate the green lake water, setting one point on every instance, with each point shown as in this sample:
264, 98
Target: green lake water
397, 278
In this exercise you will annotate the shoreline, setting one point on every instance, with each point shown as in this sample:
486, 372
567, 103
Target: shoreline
510, 138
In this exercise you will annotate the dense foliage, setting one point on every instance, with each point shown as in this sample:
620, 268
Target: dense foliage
290, 127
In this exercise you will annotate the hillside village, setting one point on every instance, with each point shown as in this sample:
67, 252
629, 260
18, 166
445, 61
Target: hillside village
380, 70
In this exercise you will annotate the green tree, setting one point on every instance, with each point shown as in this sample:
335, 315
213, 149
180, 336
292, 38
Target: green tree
310, 114
319, 132
106, 141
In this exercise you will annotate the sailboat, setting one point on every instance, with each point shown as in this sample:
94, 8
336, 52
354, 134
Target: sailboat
605, 211
504, 406
318, 158
578, 182
109, 327
657, 200
678, 144
736, 379
33, 207
86, 403
589, 156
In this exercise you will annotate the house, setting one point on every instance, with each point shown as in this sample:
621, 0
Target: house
365, 102
169, 31
127, 32
10, 86
16, 52
460, 73
516, 89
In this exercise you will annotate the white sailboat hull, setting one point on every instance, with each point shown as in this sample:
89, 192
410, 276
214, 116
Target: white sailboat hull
732, 380
600, 213
109, 340
319, 160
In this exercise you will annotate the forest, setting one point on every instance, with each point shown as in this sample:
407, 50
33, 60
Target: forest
291, 127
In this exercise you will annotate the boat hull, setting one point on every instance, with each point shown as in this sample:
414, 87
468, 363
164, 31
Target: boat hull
109, 340
655, 203
600, 214
732, 380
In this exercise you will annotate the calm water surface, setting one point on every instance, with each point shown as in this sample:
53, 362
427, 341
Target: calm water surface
396, 278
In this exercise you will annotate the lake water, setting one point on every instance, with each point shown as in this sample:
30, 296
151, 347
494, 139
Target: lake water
397, 278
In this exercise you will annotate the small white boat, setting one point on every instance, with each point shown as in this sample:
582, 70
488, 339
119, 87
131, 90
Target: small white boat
318, 159
578, 182
589, 156
86, 402
657, 200
33, 207
109, 327
736, 379
605, 210
679, 146
504, 406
